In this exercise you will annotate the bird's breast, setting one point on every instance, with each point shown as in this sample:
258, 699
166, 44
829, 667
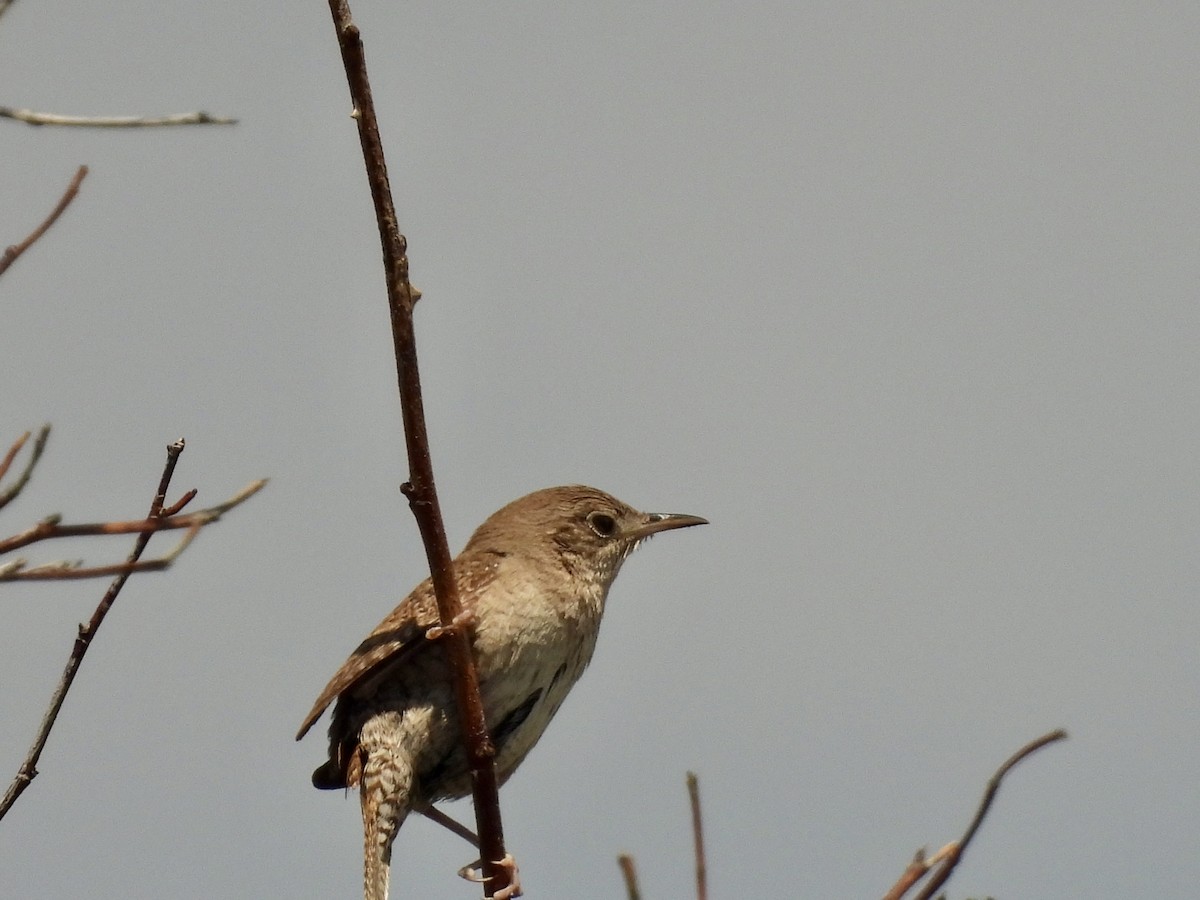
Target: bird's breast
531, 650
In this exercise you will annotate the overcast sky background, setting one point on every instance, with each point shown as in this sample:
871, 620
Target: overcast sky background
900, 296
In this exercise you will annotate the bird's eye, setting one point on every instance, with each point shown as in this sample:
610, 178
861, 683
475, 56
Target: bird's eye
603, 524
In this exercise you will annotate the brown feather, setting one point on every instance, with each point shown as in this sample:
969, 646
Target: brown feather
398, 635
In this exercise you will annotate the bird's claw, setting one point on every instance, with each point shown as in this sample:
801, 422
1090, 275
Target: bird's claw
465, 619
473, 872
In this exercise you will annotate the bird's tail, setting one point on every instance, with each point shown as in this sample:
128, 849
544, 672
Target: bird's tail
386, 789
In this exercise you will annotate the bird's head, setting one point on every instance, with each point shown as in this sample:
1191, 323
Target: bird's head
582, 529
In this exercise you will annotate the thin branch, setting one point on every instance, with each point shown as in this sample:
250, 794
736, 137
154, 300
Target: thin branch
6, 463
32, 117
51, 527
917, 868
28, 770
693, 786
4, 5
950, 855
66, 570
12, 252
177, 507
625, 861
420, 490
39, 444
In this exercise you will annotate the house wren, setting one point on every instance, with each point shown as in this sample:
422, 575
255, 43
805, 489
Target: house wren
534, 577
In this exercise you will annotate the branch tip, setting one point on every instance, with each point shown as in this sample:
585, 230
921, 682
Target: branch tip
949, 856
11, 254
39, 445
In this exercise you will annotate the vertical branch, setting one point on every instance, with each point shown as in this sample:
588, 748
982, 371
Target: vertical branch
419, 489
693, 786
629, 873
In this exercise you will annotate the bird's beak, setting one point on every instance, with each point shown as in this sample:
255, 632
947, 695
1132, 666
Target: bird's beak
653, 523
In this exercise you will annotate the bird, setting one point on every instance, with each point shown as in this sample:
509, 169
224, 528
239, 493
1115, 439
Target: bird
533, 580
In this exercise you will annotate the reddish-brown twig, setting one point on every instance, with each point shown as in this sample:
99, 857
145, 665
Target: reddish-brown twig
917, 868
51, 527
12, 252
28, 770
942, 873
419, 488
71, 570
39, 444
693, 786
950, 855
177, 507
632, 891
7, 462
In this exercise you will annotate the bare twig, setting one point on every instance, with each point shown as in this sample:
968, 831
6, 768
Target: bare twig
39, 444
420, 490
917, 868
938, 878
67, 570
51, 527
4, 5
177, 507
693, 786
28, 770
6, 463
12, 252
625, 861
32, 117
950, 855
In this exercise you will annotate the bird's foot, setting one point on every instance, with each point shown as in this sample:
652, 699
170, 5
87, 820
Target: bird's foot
465, 619
473, 872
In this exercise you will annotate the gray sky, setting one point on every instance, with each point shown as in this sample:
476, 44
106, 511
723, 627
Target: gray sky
900, 296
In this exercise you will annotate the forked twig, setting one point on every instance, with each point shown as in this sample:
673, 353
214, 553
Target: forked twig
87, 633
11, 253
69, 570
917, 868
950, 855
51, 527
420, 490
